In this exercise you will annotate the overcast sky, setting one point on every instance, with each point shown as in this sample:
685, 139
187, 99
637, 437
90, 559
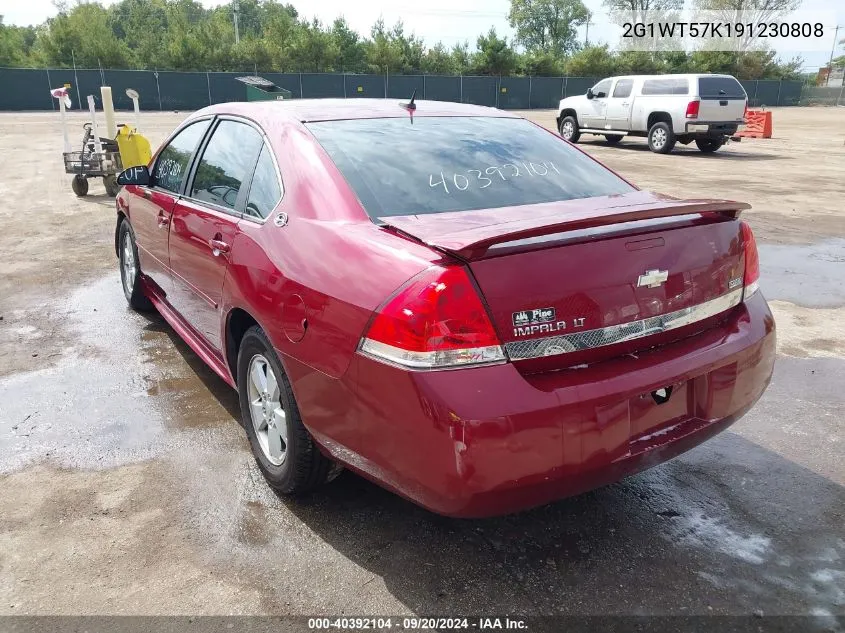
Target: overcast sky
450, 21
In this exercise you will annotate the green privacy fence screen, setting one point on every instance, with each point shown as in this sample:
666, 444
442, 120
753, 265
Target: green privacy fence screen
29, 88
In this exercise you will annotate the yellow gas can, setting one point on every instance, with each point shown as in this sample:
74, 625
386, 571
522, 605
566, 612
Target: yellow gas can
134, 147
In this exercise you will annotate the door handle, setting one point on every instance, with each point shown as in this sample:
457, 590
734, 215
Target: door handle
218, 247
146, 193
163, 220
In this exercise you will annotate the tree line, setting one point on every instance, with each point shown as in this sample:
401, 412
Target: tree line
183, 35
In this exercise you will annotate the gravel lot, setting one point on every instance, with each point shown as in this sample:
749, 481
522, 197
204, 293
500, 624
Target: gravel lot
128, 486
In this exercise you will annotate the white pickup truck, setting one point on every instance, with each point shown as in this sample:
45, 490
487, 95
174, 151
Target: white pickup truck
707, 109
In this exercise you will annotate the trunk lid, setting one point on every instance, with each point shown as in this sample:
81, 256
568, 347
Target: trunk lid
722, 99
578, 281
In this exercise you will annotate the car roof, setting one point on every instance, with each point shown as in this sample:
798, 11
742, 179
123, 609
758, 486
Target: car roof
305, 110
674, 76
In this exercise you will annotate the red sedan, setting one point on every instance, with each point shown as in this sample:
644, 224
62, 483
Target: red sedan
447, 299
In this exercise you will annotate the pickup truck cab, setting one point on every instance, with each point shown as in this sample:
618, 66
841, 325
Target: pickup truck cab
667, 109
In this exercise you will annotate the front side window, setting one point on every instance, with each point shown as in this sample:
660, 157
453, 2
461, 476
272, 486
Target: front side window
172, 162
399, 166
265, 191
623, 88
226, 162
603, 87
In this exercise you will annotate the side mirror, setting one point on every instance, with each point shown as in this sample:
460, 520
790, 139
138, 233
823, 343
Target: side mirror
600, 95
139, 175
590, 94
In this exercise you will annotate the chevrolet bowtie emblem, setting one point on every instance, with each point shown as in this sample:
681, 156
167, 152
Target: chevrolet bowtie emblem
653, 278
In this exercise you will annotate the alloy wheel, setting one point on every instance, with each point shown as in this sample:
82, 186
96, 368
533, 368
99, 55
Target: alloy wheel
128, 261
266, 411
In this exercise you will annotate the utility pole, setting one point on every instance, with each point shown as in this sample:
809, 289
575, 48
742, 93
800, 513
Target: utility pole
235, 11
587, 33
76, 78
832, 50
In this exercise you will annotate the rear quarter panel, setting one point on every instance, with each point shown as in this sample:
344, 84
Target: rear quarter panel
674, 105
329, 274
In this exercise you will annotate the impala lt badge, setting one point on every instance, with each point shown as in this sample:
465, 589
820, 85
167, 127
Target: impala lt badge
652, 278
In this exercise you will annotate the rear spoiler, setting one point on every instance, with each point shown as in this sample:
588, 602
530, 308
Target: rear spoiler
468, 234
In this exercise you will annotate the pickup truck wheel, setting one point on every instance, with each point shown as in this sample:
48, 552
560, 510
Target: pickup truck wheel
612, 139
708, 145
284, 450
569, 129
130, 270
661, 138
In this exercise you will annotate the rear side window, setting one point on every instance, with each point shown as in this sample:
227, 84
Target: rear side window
623, 88
674, 86
226, 162
401, 166
265, 191
172, 162
720, 88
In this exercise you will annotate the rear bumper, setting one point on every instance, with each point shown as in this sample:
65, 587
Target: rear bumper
488, 441
711, 128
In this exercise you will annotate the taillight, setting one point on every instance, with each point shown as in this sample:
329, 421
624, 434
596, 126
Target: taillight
435, 321
751, 279
692, 109
745, 112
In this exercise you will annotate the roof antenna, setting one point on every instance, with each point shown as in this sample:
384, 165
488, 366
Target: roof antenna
411, 105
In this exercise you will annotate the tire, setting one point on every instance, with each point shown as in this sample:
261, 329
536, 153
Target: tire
292, 463
708, 145
612, 139
569, 129
130, 269
79, 184
661, 138
110, 183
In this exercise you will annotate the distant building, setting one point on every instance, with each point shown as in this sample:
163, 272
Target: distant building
831, 77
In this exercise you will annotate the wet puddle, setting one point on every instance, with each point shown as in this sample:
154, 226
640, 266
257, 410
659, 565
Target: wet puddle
126, 388
812, 276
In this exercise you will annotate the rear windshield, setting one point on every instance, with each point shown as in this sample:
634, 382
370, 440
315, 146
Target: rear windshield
720, 88
436, 164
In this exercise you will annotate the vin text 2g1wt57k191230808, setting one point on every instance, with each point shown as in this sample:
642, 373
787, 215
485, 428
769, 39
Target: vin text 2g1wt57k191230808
446, 299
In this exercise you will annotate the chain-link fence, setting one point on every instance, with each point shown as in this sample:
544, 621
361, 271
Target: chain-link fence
767, 92
819, 95
28, 89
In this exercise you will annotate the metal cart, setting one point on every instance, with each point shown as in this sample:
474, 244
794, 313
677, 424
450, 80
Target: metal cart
95, 160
